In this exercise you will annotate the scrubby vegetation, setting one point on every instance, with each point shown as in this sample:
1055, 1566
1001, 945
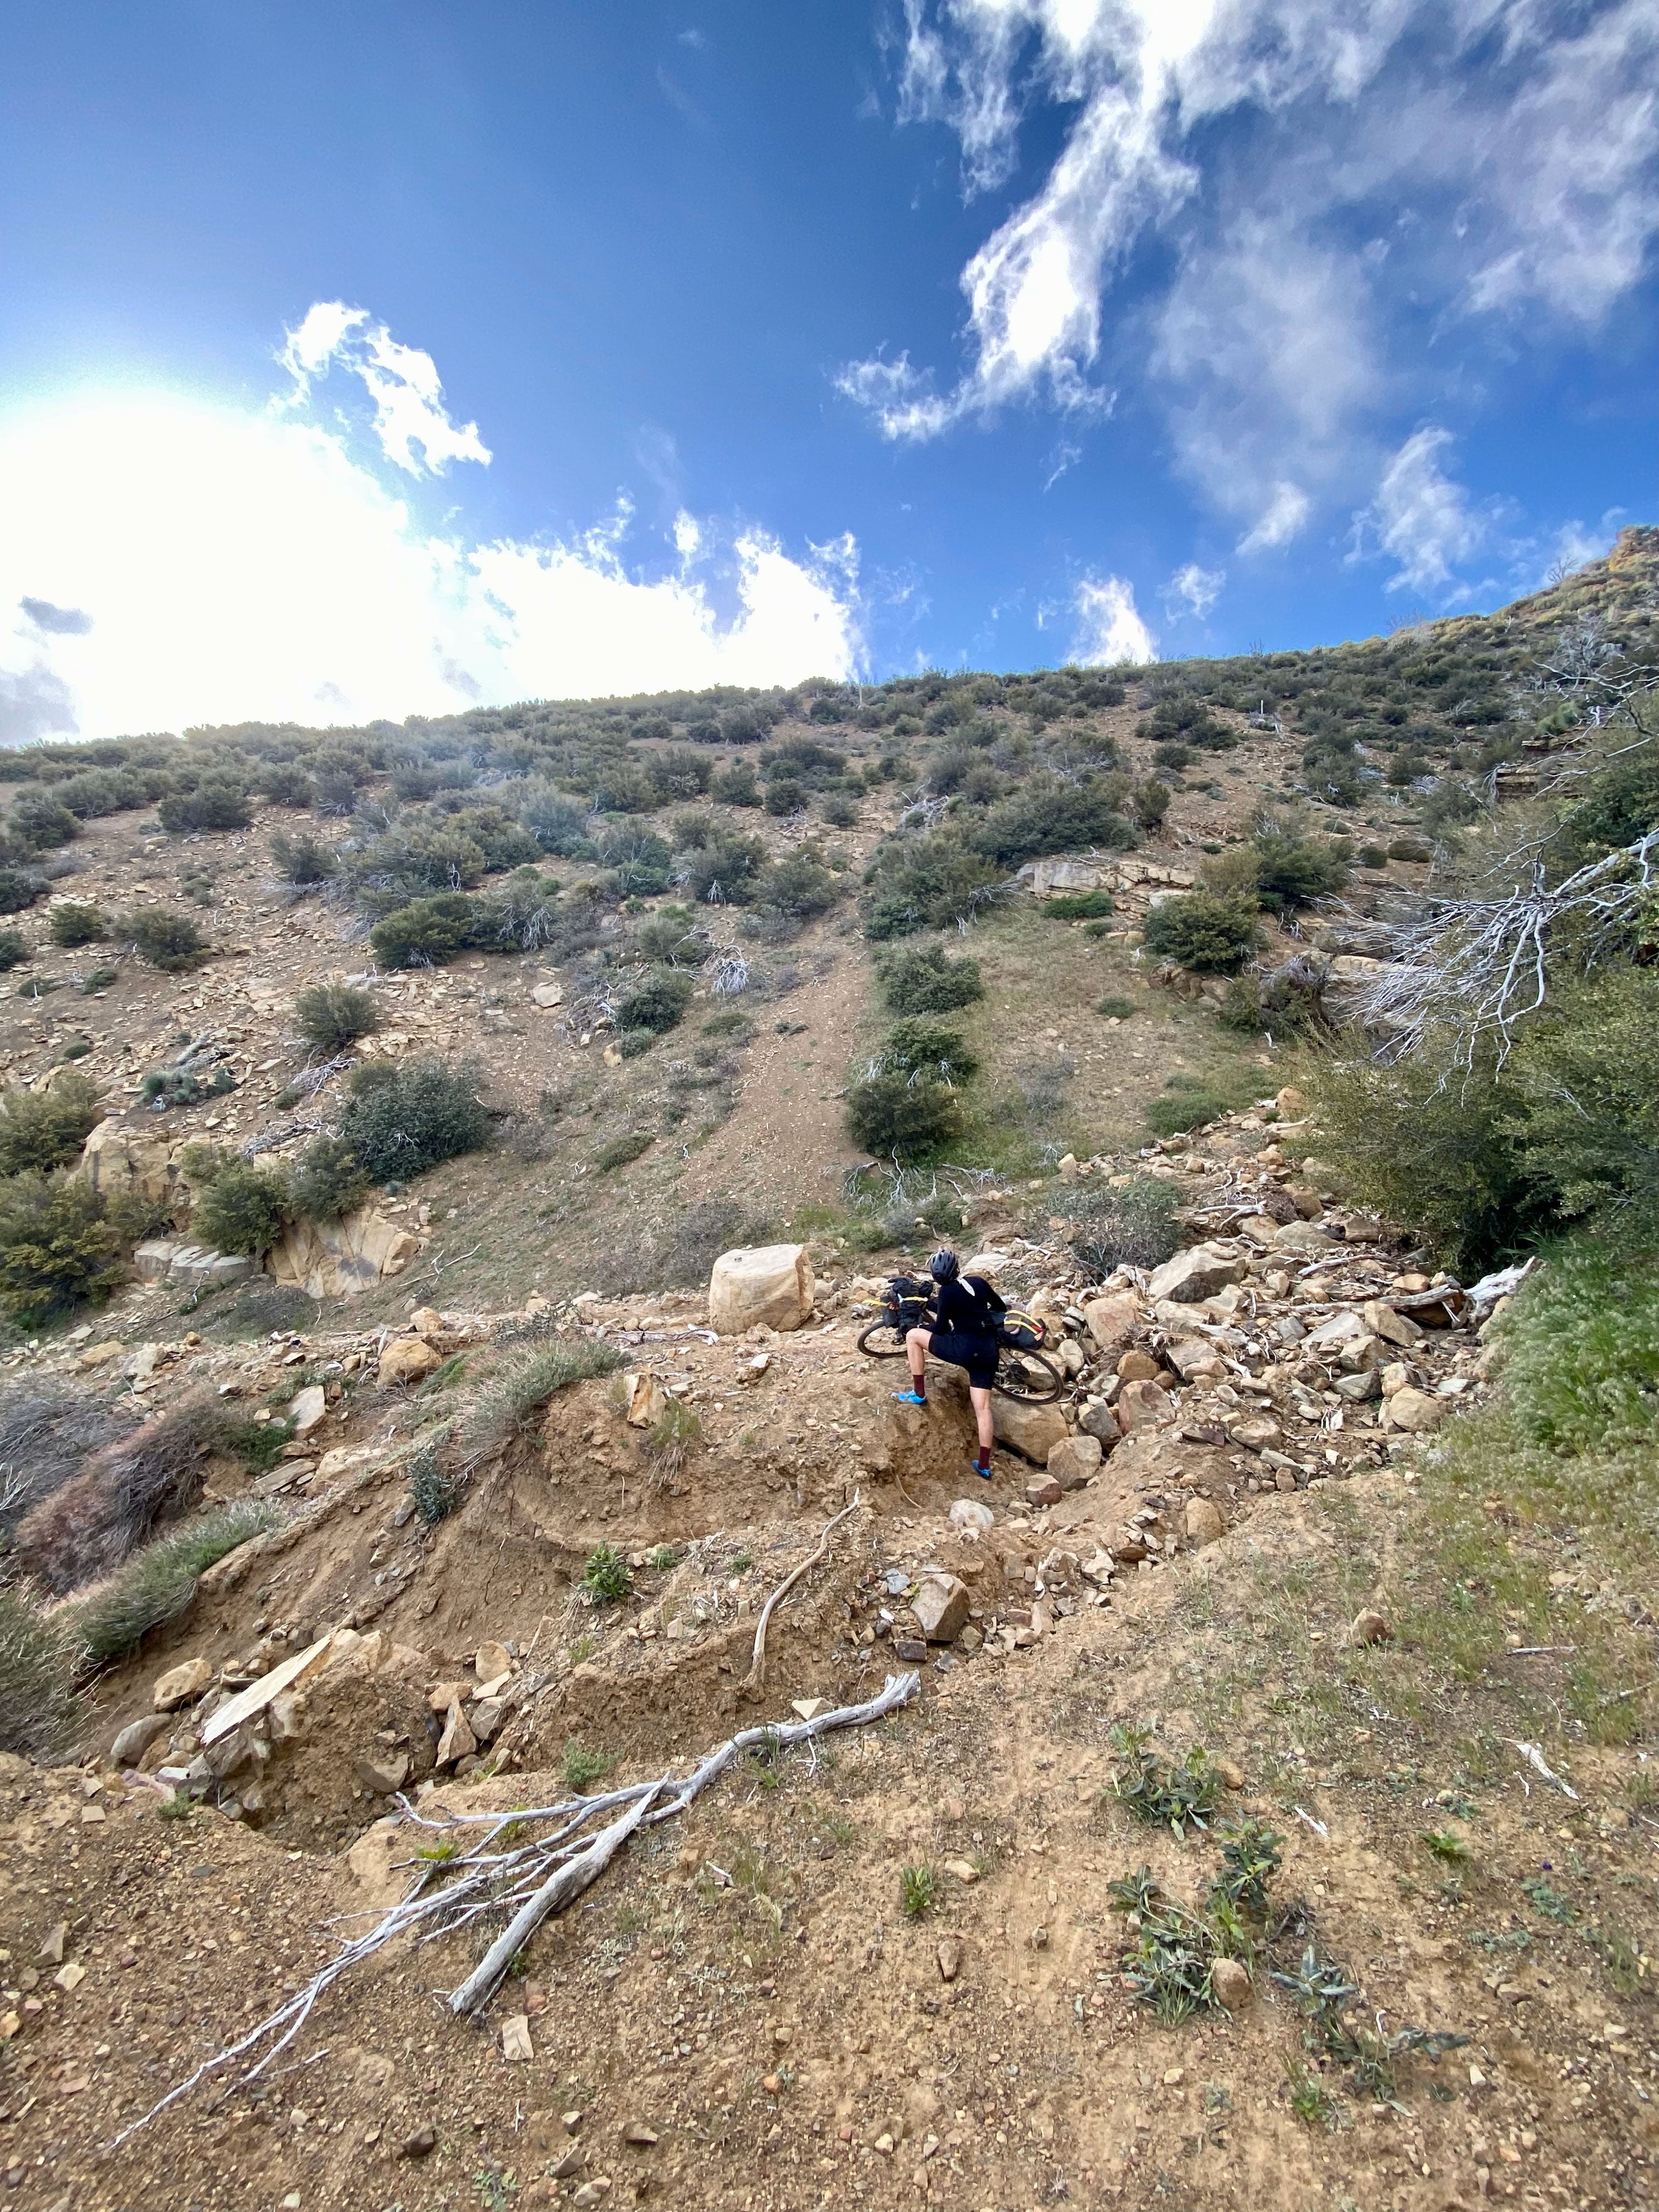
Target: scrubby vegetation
400, 1119
332, 1015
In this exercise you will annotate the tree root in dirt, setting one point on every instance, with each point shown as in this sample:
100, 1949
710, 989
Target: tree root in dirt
534, 1878
754, 1680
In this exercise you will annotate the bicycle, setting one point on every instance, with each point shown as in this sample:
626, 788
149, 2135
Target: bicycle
1023, 1372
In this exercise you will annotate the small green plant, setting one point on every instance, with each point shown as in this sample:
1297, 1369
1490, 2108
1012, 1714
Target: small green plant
1134, 1226
1115, 1008
1176, 1795
1079, 906
328, 1180
1445, 1844
1250, 1860
925, 979
621, 1150
580, 1768
671, 1440
1167, 1965
332, 1015
70, 924
524, 1384
929, 1048
171, 942
917, 1890
742, 1559
94, 980
429, 932
14, 951
661, 1557
1326, 1993
44, 1128
1549, 1901
605, 1578
656, 1004
436, 1488
1310, 2101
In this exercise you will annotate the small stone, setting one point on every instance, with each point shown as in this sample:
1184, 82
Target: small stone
570, 2122
307, 1408
962, 1870
1392, 1327
458, 1741
1371, 1628
427, 1321
385, 1774
808, 1708
972, 1513
1043, 1490
516, 2046
407, 1359
1173, 2076
1139, 1367
491, 1660
70, 1976
645, 1401
1074, 1460
52, 1949
1195, 1275
1232, 1774
949, 1958
421, 2144
639, 2134
1098, 1420
941, 1606
1231, 1982
1204, 1522
181, 1685
567, 2168
1143, 1406
1415, 1411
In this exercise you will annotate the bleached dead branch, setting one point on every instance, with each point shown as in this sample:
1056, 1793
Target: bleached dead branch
527, 1879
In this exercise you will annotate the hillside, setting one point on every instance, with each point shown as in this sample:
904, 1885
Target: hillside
1262, 1813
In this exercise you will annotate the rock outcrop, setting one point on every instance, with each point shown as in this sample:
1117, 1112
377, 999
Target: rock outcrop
767, 1286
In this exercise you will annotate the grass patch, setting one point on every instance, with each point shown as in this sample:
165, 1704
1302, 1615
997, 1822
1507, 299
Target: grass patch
38, 1665
515, 1391
580, 1768
157, 1583
917, 1891
622, 1150
1115, 1008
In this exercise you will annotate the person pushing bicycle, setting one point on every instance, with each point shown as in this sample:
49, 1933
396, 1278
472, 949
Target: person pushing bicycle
963, 1329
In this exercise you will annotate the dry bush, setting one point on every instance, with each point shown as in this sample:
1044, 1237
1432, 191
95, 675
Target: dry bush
46, 1436
38, 1661
90, 1523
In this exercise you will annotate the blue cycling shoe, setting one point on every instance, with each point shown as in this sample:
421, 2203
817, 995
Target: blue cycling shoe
909, 1398
983, 1473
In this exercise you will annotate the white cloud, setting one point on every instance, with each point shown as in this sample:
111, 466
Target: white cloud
1193, 590
1420, 517
233, 565
1109, 631
1281, 520
1497, 154
1576, 543
402, 381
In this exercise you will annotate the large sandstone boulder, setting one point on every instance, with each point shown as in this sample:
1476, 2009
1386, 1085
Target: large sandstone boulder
123, 1155
1196, 1275
1073, 1460
337, 1259
1031, 1430
1112, 1319
769, 1285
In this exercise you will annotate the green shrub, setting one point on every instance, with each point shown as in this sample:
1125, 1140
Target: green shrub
212, 805
157, 1583
927, 883
736, 786
435, 1486
622, 1150
1152, 802
401, 1121
171, 942
165, 1088
38, 1665
921, 1047
245, 1208
70, 923
327, 1182
799, 886
1585, 1117
1047, 815
427, 932
1581, 1346
1200, 930
332, 1015
1133, 1227
1410, 848
924, 980
12, 950
657, 1004
640, 860
1189, 1104
302, 860
1115, 1008
94, 980
1292, 871
839, 809
1079, 906
1425, 1143
57, 1246
38, 822
578, 1767
902, 1117
19, 890
46, 1128
671, 939
725, 870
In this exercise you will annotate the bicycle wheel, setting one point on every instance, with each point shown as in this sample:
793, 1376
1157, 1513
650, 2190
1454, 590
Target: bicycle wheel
882, 1340
1028, 1377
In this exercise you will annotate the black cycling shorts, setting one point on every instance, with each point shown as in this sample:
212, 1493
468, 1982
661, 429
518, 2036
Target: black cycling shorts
956, 1347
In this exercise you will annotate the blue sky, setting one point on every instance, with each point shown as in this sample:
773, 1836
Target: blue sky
383, 359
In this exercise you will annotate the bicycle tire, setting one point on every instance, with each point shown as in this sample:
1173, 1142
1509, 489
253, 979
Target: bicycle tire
1014, 1378
892, 1349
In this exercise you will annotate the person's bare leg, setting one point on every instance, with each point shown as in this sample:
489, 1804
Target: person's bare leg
916, 1342
981, 1401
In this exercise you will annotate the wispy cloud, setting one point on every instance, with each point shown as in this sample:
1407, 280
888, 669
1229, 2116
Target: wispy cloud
1318, 177
402, 381
1193, 590
1109, 631
1420, 517
55, 621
